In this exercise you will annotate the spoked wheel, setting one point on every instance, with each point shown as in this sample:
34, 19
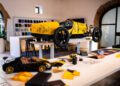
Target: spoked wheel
9, 69
61, 37
96, 34
41, 68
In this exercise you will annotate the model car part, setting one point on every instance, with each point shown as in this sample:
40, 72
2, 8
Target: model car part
74, 72
40, 79
57, 70
69, 74
56, 83
57, 63
22, 76
73, 58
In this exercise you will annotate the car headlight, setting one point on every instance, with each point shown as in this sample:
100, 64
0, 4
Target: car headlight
48, 65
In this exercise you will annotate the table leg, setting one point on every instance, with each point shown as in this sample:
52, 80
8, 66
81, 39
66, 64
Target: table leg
90, 47
78, 48
52, 51
40, 51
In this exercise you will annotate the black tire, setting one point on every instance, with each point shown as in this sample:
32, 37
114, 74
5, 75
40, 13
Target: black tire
41, 68
9, 69
61, 37
96, 34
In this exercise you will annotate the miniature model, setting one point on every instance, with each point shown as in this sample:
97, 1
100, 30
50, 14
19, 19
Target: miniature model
60, 33
73, 59
26, 64
29, 64
69, 74
57, 63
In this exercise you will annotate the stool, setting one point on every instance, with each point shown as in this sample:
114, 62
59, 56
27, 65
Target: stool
29, 45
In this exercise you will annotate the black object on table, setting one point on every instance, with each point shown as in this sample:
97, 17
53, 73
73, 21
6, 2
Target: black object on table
55, 83
94, 57
116, 46
40, 79
80, 59
83, 53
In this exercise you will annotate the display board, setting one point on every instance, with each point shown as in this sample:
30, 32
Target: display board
22, 25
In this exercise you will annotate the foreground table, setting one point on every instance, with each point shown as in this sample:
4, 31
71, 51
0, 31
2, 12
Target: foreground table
91, 71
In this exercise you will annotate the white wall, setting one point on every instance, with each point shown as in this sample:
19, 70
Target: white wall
81, 9
25, 8
60, 9
53, 9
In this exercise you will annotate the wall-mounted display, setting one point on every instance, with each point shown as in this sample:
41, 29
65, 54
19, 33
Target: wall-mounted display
22, 25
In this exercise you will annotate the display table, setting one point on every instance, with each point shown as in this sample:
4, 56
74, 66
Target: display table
90, 45
15, 45
91, 71
50, 44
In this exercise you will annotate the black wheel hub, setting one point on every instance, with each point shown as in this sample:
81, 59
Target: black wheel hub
61, 37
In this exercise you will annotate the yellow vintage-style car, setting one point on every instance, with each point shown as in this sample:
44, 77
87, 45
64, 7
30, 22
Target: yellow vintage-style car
60, 33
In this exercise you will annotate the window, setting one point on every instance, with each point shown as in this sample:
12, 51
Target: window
110, 26
1, 25
38, 10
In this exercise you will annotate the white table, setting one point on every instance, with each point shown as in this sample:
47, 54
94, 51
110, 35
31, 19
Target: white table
15, 45
51, 44
89, 73
91, 45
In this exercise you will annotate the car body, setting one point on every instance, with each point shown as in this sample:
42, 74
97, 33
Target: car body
48, 28
17, 65
29, 64
60, 33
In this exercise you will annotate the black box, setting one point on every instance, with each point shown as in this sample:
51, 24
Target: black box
40, 79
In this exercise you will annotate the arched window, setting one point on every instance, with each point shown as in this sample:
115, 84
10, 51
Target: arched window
110, 26
1, 25
108, 19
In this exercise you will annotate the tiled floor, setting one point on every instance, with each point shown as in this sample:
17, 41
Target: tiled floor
112, 80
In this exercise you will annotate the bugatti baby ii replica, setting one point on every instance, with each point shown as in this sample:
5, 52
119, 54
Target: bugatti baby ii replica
61, 32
